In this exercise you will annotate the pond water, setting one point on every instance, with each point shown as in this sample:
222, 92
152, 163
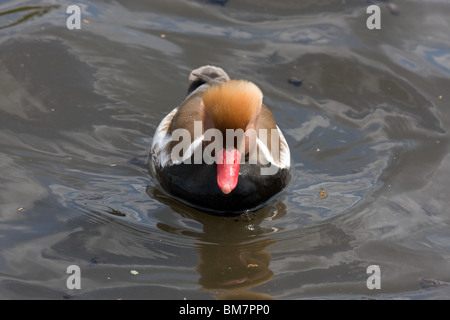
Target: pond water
366, 114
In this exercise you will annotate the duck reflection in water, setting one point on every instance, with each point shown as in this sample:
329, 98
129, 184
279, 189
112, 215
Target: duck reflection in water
232, 270
233, 250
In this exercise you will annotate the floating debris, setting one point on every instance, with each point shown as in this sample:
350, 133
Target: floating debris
134, 272
115, 212
97, 260
393, 9
296, 81
323, 194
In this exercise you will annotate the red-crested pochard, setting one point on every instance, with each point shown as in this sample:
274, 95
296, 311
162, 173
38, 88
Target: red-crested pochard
220, 151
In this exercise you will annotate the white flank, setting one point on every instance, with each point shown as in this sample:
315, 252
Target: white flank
161, 139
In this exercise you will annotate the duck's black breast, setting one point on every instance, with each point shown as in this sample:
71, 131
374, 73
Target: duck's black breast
196, 185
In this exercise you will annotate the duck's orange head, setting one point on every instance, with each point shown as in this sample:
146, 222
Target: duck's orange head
234, 104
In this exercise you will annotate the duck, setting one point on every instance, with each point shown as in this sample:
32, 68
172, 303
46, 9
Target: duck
220, 151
